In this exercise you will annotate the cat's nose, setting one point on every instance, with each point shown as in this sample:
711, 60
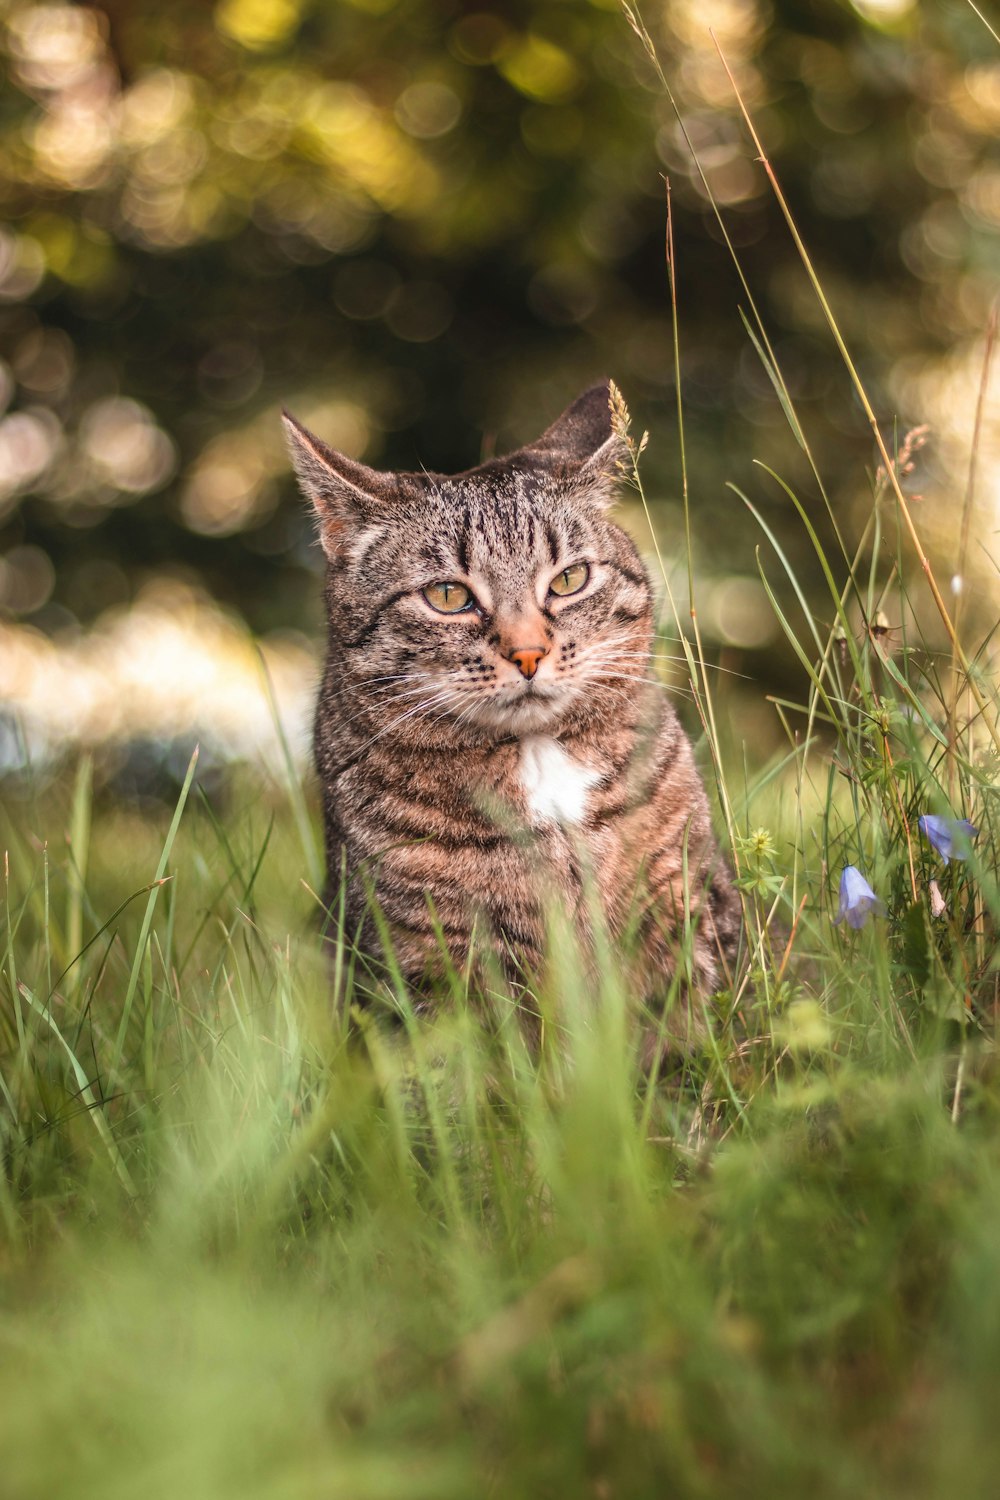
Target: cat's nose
526, 659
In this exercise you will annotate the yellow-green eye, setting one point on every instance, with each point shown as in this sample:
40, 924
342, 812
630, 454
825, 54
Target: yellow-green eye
449, 598
570, 580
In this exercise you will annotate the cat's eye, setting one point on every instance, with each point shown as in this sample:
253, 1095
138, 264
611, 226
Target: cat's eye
571, 580
448, 598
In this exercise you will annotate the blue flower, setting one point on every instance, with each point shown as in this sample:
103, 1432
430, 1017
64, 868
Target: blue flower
857, 899
941, 832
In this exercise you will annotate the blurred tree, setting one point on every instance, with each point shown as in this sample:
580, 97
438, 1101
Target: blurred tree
424, 225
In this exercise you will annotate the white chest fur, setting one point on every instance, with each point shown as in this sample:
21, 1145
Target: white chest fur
555, 784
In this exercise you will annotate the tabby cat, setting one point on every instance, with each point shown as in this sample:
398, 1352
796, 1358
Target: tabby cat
489, 734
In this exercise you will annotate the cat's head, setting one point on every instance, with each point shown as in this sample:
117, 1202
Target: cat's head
502, 599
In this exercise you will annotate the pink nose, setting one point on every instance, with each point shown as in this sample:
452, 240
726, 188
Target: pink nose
527, 658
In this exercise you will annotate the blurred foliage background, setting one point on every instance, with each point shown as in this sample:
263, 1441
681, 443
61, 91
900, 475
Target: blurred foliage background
425, 225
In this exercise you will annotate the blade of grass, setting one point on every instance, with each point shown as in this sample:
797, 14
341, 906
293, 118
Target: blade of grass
95, 1110
300, 811
989, 28
79, 842
963, 536
150, 909
776, 381
15, 989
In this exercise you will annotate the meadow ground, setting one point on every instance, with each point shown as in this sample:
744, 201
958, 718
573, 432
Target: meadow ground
250, 1250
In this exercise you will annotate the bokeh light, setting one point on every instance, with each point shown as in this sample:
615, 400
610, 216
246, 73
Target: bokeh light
171, 667
125, 448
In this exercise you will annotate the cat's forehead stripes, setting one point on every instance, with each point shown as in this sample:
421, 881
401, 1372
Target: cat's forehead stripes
513, 520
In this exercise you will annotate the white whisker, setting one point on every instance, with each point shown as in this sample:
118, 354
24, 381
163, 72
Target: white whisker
432, 702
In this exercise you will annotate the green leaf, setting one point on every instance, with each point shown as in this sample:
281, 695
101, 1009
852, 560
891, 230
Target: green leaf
779, 385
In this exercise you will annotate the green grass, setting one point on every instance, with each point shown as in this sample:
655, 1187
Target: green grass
249, 1250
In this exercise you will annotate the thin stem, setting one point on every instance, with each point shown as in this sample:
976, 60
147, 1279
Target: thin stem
904, 509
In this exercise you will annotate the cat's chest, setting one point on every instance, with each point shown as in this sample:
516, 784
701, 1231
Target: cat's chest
556, 785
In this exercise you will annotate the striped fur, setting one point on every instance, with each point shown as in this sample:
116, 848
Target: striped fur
463, 793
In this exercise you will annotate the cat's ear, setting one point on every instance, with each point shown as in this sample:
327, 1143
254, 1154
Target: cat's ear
343, 491
583, 448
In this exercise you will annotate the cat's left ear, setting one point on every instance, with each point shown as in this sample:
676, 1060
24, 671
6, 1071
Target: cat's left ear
344, 492
583, 449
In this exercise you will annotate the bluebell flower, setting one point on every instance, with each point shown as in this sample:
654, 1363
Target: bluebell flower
857, 899
941, 833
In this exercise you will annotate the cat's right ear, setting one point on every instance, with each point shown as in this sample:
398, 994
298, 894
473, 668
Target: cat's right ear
584, 447
343, 491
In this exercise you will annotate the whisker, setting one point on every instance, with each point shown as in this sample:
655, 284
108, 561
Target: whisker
656, 657
368, 706
665, 687
431, 702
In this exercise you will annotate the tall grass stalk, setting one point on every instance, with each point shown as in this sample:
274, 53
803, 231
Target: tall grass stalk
990, 720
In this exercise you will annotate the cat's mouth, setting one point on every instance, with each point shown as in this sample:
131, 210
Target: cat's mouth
538, 693
521, 709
